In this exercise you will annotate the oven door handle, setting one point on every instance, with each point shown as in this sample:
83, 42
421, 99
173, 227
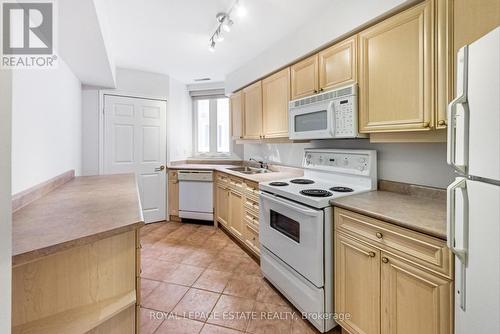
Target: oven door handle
291, 205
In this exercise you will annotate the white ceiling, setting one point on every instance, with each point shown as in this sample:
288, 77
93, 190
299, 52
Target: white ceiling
171, 36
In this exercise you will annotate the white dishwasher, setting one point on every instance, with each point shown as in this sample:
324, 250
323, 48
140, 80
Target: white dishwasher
196, 194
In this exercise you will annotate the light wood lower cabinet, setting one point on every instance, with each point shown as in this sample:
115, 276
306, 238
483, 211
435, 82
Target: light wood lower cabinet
89, 288
222, 203
390, 281
357, 291
414, 301
237, 209
236, 223
173, 194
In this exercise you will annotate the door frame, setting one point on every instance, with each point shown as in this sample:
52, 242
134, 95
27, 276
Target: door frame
121, 93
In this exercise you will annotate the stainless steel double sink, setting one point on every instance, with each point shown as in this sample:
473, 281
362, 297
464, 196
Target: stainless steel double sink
249, 170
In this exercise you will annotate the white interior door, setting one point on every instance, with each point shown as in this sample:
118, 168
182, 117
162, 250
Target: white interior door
135, 142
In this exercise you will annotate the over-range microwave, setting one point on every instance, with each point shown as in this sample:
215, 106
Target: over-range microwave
333, 114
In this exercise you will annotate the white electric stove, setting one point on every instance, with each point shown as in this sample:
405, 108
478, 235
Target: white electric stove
296, 227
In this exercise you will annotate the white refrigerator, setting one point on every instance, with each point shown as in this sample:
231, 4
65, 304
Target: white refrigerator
474, 197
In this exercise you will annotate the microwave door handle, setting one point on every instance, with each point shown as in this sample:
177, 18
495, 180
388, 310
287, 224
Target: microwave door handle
331, 112
291, 206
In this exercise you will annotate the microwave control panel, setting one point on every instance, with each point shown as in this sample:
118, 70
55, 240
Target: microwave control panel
346, 122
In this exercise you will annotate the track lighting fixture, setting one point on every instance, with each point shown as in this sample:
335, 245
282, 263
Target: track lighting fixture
225, 23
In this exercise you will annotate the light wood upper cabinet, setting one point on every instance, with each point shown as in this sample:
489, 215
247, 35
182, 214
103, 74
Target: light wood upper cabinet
304, 76
357, 289
396, 78
410, 295
459, 22
173, 193
275, 98
237, 106
252, 96
337, 64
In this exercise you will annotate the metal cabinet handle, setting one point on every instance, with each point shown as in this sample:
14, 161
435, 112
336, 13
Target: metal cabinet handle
460, 182
321, 89
315, 91
442, 122
385, 260
379, 235
371, 254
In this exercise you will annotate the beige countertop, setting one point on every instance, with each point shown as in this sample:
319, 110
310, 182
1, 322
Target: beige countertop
278, 172
426, 214
81, 211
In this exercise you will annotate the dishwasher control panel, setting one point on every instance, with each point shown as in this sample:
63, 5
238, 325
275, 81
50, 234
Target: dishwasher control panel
195, 175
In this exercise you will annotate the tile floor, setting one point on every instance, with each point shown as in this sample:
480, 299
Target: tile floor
195, 279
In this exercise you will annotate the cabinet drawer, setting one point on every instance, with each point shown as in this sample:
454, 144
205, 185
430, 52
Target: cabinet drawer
221, 178
252, 205
252, 239
236, 184
252, 219
252, 191
419, 248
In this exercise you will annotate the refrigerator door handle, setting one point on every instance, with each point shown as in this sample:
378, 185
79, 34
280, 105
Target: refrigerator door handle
460, 253
461, 98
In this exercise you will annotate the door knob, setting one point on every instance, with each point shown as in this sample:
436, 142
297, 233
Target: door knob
159, 169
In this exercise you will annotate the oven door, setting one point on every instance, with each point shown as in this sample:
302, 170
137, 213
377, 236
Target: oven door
312, 122
294, 233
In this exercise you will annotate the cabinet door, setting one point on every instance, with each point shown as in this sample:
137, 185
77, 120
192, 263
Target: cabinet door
237, 110
173, 194
236, 224
337, 64
413, 301
357, 285
275, 98
304, 77
252, 96
222, 204
396, 76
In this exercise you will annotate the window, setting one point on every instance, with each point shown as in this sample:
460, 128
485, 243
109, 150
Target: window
212, 135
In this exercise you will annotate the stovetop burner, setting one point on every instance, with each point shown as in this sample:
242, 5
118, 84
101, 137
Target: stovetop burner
302, 181
316, 193
278, 184
342, 189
